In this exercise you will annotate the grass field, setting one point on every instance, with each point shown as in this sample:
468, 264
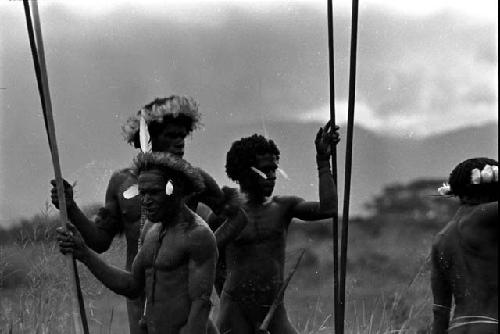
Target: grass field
387, 284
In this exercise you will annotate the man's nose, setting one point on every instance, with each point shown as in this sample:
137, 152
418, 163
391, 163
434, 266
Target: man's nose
146, 199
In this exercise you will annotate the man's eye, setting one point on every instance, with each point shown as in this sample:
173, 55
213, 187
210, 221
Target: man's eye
175, 134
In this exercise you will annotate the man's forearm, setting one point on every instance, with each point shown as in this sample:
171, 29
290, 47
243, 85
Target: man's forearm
198, 316
120, 281
327, 186
96, 238
230, 229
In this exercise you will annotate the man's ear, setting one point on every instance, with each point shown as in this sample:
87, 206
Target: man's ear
182, 187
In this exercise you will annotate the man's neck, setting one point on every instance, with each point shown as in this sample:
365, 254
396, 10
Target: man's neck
255, 199
175, 219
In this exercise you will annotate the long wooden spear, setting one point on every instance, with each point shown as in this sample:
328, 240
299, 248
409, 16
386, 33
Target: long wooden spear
335, 218
277, 300
348, 162
78, 313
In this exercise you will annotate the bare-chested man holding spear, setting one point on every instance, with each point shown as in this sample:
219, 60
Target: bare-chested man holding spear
255, 259
176, 263
169, 121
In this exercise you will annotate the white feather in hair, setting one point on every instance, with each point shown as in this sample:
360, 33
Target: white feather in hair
144, 137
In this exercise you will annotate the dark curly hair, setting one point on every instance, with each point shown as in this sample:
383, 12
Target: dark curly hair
460, 179
243, 154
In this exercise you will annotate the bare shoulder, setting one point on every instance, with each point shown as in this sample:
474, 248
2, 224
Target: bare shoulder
443, 237
212, 189
479, 228
199, 233
118, 177
287, 201
486, 213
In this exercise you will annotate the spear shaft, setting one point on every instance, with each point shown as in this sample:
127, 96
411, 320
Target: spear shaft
348, 163
335, 218
79, 318
277, 300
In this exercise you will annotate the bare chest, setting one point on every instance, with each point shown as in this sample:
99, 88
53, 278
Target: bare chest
264, 223
164, 250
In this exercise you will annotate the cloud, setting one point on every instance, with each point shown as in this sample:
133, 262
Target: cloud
416, 74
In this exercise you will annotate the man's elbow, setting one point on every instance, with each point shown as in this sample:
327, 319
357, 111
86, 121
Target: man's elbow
100, 245
130, 291
328, 211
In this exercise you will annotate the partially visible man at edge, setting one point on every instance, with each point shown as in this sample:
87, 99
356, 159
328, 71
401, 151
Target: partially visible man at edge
175, 266
169, 121
465, 253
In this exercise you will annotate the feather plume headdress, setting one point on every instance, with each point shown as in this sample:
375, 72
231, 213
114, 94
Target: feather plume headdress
144, 138
155, 111
161, 160
489, 174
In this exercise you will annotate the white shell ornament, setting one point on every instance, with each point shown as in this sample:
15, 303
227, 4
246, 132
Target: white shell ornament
495, 173
261, 173
487, 175
131, 192
169, 188
445, 189
476, 176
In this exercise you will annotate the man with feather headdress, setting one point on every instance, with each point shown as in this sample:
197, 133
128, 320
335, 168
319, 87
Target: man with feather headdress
175, 267
168, 121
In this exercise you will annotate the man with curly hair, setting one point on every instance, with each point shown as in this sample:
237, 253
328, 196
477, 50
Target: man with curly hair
169, 121
176, 264
465, 253
255, 258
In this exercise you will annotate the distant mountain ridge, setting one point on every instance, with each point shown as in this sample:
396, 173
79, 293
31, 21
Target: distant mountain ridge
377, 160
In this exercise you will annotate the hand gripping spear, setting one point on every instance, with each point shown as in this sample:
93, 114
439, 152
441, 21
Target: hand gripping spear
78, 311
335, 218
277, 300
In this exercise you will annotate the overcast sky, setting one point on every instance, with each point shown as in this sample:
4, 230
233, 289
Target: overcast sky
424, 67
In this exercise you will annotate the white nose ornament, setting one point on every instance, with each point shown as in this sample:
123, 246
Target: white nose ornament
259, 172
169, 188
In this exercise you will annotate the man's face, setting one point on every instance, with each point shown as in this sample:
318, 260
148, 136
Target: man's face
257, 184
157, 205
170, 139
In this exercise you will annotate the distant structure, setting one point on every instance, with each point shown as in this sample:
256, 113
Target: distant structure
416, 202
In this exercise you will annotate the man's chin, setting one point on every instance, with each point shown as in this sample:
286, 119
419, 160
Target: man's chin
153, 218
268, 192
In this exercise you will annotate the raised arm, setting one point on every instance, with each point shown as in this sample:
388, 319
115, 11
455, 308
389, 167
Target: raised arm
99, 234
129, 284
212, 196
202, 260
327, 205
231, 219
230, 228
441, 291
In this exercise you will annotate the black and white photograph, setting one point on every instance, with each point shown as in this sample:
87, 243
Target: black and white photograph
249, 167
